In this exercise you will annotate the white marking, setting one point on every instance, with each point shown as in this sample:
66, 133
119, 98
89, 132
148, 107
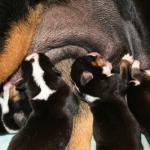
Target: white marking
4, 106
32, 56
136, 64
38, 78
87, 97
147, 72
4, 100
93, 144
136, 82
145, 143
10, 131
90, 98
107, 69
128, 58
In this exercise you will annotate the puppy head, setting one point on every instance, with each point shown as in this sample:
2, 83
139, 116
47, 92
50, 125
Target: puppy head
89, 72
37, 62
39, 73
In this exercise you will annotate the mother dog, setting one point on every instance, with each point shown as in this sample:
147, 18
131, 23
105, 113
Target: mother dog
67, 29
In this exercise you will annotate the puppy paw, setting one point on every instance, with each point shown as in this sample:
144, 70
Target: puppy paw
136, 64
128, 57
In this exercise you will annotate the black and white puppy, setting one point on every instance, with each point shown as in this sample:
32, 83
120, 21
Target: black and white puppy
15, 108
114, 126
54, 105
138, 96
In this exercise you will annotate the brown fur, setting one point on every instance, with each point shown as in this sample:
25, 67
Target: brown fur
100, 61
83, 121
18, 43
20, 38
82, 130
124, 64
14, 95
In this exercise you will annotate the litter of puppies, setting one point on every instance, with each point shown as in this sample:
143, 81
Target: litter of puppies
119, 102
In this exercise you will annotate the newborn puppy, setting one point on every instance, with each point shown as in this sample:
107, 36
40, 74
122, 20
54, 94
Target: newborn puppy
54, 105
15, 108
114, 126
138, 95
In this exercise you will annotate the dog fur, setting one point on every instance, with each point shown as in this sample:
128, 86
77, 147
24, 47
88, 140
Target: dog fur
114, 126
138, 96
50, 124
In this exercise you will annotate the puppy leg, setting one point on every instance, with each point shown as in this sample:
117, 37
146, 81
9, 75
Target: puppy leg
125, 63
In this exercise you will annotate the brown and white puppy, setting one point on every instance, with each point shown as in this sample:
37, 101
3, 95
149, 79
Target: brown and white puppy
138, 96
54, 105
114, 126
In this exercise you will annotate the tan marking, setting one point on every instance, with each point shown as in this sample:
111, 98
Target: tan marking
82, 130
14, 95
18, 43
124, 68
99, 61
94, 64
124, 62
83, 121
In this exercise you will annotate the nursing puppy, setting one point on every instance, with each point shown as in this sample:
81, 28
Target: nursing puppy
54, 105
14, 106
138, 95
114, 126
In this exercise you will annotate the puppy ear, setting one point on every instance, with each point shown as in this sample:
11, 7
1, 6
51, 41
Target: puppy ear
86, 77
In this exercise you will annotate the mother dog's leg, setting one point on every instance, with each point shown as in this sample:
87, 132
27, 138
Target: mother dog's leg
83, 121
82, 130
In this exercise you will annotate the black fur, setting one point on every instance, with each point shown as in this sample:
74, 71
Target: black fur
12, 11
50, 124
19, 111
139, 100
135, 12
114, 126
